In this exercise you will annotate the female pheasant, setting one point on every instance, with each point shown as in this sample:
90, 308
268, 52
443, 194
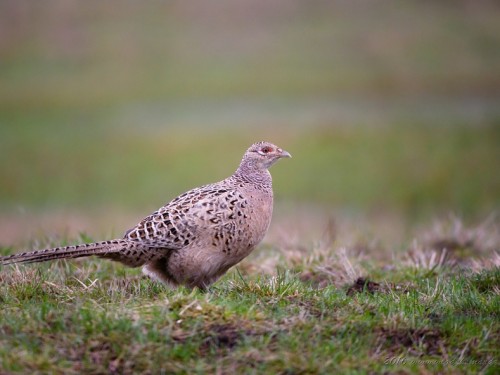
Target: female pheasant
194, 239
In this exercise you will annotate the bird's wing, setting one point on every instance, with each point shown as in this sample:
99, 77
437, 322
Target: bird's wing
185, 218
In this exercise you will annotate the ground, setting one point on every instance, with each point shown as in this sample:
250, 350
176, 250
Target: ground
335, 303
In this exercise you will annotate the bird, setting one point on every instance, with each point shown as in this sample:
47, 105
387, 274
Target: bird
194, 239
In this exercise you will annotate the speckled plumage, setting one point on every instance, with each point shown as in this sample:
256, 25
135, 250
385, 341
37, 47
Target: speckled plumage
198, 236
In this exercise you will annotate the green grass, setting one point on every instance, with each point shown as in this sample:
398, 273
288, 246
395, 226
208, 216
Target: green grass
253, 325
311, 313
414, 169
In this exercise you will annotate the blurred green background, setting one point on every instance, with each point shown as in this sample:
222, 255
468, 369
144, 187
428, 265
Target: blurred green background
384, 105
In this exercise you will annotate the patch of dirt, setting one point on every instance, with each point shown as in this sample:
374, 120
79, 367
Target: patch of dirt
218, 335
99, 352
365, 285
361, 285
414, 341
223, 336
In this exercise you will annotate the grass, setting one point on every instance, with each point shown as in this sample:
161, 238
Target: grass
321, 307
415, 169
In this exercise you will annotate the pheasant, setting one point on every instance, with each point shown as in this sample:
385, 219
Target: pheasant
194, 239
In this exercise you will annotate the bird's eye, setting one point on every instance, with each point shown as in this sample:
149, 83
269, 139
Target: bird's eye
266, 150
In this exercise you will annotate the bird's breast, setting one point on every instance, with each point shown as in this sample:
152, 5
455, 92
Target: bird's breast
236, 221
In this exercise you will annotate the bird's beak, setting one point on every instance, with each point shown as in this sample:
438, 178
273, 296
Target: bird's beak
285, 154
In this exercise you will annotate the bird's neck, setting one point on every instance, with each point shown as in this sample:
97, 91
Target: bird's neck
249, 174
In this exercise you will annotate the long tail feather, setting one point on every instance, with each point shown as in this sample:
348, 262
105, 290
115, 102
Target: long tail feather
104, 249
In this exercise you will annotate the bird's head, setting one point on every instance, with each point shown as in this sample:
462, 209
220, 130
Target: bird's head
262, 155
